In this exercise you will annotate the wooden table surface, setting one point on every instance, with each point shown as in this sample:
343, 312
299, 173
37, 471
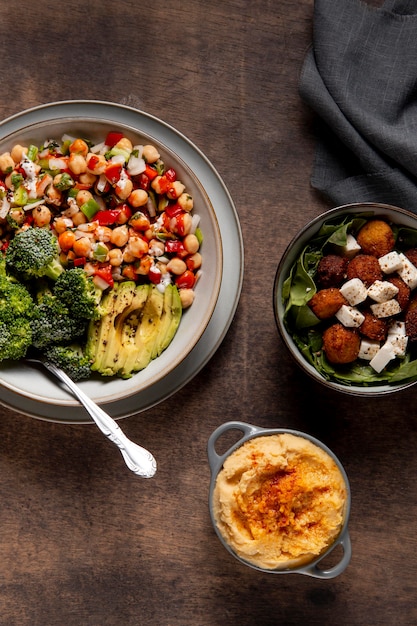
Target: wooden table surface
82, 540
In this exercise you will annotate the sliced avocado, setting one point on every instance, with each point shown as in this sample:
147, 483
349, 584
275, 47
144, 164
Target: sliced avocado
170, 319
147, 332
128, 323
107, 346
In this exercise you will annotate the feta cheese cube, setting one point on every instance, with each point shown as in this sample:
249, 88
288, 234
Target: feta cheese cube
396, 329
382, 290
390, 262
399, 344
408, 272
351, 248
354, 291
384, 355
386, 309
368, 349
349, 316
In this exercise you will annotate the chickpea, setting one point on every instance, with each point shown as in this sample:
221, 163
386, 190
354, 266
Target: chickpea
61, 224
175, 190
120, 236
53, 195
186, 202
186, 297
79, 146
156, 247
82, 246
83, 196
17, 215
43, 184
87, 178
137, 247
144, 265
18, 152
115, 257
96, 164
138, 197
103, 234
124, 144
194, 261
79, 218
66, 240
139, 221
150, 154
191, 243
124, 188
128, 256
176, 266
41, 215
6, 163
184, 226
77, 164
156, 184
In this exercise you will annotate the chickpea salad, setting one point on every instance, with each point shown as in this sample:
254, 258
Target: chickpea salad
350, 301
115, 211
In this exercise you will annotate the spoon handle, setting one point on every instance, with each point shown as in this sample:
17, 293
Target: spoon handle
138, 459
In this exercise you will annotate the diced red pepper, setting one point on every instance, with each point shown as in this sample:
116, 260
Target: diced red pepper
142, 181
107, 217
79, 261
155, 275
113, 172
174, 246
150, 172
171, 174
105, 272
173, 210
185, 280
113, 138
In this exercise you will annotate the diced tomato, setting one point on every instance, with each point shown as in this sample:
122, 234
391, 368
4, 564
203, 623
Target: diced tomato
125, 213
107, 217
79, 261
105, 272
92, 161
174, 246
113, 172
29, 219
150, 172
113, 138
173, 210
142, 181
5, 245
185, 280
171, 175
155, 275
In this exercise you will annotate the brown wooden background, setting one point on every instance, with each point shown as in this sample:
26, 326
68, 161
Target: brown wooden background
82, 540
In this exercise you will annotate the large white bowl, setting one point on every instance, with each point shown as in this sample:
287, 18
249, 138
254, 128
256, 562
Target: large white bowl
29, 390
392, 214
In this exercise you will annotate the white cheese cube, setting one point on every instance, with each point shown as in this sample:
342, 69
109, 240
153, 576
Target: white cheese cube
390, 262
384, 355
349, 316
396, 329
354, 291
368, 349
382, 290
386, 309
351, 248
399, 344
408, 272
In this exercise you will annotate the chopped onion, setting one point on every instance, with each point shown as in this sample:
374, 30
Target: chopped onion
101, 183
118, 158
195, 220
100, 282
57, 164
150, 208
4, 208
66, 137
136, 166
32, 205
99, 148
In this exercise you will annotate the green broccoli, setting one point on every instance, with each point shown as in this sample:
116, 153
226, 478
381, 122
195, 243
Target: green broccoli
78, 292
71, 359
52, 321
16, 310
33, 253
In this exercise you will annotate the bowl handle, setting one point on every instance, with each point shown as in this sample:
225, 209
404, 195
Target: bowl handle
216, 460
315, 570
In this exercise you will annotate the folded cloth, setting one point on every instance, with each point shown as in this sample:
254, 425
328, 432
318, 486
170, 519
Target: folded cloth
360, 78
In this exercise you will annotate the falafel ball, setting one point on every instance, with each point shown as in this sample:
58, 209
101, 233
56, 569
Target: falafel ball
326, 302
411, 324
376, 237
404, 291
331, 270
341, 345
365, 267
373, 327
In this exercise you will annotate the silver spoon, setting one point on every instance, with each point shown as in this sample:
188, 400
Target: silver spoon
138, 459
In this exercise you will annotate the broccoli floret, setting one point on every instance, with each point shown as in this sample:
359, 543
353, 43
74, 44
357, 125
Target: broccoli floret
78, 292
53, 323
16, 310
33, 253
71, 359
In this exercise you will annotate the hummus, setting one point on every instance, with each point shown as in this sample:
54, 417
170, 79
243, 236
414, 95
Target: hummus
279, 501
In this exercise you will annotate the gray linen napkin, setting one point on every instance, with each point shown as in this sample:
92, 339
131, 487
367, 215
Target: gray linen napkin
360, 77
